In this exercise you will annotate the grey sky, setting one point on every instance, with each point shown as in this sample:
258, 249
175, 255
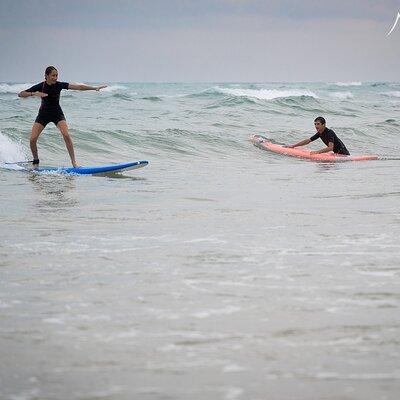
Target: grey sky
183, 40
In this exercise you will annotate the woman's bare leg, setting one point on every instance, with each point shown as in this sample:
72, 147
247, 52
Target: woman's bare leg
36, 131
63, 127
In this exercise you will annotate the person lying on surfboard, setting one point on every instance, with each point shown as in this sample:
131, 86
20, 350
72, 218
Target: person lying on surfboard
50, 109
328, 136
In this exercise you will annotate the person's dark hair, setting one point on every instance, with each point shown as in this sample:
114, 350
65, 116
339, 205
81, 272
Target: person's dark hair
50, 69
320, 119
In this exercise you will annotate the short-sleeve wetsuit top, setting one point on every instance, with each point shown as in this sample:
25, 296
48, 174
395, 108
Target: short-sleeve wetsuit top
329, 136
50, 109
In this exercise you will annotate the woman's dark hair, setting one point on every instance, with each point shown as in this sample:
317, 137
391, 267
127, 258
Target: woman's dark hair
320, 119
49, 70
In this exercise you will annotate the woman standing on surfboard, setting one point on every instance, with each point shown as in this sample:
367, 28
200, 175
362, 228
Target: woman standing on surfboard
50, 109
328, 136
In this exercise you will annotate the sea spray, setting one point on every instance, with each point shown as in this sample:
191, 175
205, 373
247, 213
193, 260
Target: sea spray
10, 151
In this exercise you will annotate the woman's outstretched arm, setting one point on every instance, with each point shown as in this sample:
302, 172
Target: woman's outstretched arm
75, 86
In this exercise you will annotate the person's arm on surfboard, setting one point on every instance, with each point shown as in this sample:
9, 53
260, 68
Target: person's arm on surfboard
325, 150
75, 86
301, 143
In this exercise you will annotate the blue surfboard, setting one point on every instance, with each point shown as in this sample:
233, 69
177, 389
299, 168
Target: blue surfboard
100, 169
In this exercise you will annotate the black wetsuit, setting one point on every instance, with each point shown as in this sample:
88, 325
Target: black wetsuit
50, 110
329, 136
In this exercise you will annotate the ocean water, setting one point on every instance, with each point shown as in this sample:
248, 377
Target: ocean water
220, 271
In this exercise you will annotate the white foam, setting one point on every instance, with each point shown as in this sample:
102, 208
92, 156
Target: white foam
14, 87
341, 95
107, 338
392, 94
266, 94
10, 151
25, 395
221, 311
233, 393
108, 392
347, 83
4, 304
56, 321
392, 375
206, 239
233, 368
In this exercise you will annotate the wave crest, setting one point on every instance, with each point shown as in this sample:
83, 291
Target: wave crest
347, 84
10, 151
14, 87
267, 94
341, 95
392, 94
